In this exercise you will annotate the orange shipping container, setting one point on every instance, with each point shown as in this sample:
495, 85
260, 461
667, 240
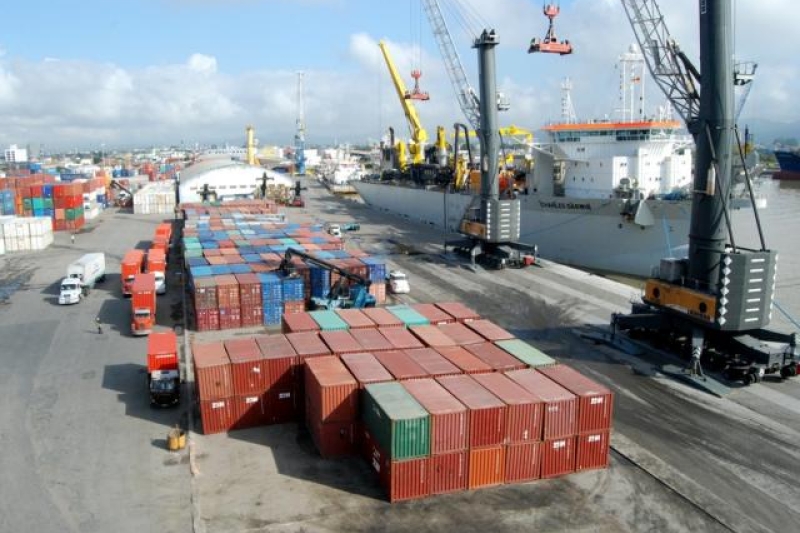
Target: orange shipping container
486, 466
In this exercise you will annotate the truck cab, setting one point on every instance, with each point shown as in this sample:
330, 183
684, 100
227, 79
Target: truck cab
71, 291
163, 370
335, 230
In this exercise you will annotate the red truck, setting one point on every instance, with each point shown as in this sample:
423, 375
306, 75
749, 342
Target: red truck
157, 264
143, 303
163, 370
132, 263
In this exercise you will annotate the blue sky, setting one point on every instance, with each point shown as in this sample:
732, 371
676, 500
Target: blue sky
74, 74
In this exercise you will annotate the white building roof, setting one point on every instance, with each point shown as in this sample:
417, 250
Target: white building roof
228, 179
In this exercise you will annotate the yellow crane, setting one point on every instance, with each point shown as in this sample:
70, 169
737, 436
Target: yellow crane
419, 136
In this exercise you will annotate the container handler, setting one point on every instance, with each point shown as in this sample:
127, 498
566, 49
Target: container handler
163, 370
143, 303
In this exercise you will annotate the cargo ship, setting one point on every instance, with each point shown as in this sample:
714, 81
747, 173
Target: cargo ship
604, 195
789, 163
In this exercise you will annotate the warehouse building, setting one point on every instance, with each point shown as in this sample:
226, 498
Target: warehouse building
226, 180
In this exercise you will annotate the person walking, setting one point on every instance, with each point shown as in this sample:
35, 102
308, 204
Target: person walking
99, 326
72, 238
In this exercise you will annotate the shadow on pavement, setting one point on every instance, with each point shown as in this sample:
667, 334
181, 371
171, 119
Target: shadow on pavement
129, 381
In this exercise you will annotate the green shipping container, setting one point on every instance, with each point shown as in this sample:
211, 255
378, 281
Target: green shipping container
526, 353
48, 203
328, 321
193, 253
397, 422
409, 316
27, 204
71, 214
37, 203
287, 241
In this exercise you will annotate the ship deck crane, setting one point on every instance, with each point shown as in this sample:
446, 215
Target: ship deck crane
300, 130
418, 134
716, 303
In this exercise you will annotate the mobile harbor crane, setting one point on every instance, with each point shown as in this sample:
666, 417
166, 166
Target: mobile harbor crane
349, 291
716, 303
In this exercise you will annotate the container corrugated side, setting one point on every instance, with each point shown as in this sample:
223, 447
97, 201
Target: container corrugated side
526, 353
249, 410
561, 406
448, 416
330, 391
558, 457
248, 371
212, 371
595, 402
397, 422
524, 411
333, 439
216, 415
401, 480
449, 472
486, 466
280, 361
487, 414
592, 450
523, 462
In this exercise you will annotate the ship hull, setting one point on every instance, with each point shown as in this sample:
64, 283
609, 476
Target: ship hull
586, 233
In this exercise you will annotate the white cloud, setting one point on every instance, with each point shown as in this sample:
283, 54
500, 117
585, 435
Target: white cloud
203, 64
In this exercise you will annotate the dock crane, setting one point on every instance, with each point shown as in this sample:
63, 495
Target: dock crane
418, 134
300, 130
716, 303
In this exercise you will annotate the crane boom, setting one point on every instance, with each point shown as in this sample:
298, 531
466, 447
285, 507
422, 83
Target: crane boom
671, 69
418, 134
467, 98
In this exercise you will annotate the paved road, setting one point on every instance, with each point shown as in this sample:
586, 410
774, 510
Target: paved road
82, 450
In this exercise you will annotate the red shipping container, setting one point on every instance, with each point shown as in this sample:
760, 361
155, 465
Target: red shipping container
432, 313
448, 416
212, 371
401, 480
595, 402
292, 308
248, 369
280, 361
401, 338
249, 290
333, 439
487, 466
252, 316
216, 415
592, 450
330, 391
162, 351
465, 361
341, 342
227, 291
459, 311
307, 344
205, 293
433, 362
495, 357
523, 462
449, 472
230, 318
558, 457
432, 336
560, 405
487, 414
248, 411
371, 340
378, 290
207, 319
489, 330
400, 365
461, 334
298, 322
282, 405
382, 317
366, 369
355, 319
524, 411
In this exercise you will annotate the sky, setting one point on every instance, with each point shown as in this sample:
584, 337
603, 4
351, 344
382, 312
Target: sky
88, 74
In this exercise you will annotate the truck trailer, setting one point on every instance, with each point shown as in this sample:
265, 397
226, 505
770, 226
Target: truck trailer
143, 303
82, 275
132, 263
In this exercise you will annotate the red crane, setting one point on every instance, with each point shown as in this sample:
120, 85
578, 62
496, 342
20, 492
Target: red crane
416, 93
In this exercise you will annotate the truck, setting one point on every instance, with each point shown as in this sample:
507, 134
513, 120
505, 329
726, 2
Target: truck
82, 275
143, 303
157, 264
163, 370
132, 263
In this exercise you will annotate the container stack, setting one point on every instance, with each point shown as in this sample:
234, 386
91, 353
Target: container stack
272, 298
248, 376
230, 313
294, 296
330, 405
7, 202
24, 234
212, 374
68, 206
155, 198
250, 298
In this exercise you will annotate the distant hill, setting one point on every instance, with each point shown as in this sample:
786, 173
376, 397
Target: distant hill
766, 132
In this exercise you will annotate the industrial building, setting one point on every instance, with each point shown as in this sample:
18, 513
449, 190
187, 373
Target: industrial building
226, 180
